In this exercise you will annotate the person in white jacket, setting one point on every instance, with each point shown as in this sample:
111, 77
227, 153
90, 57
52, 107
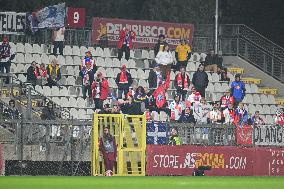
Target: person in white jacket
165, 59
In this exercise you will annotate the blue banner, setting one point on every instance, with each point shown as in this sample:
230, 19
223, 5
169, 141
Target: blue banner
156, 133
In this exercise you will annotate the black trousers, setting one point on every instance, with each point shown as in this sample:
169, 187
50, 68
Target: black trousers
125, 49
201, 90
7, 66
180, 64
56, 45
182, 94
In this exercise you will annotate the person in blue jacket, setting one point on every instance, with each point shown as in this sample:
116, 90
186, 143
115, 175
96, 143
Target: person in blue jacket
238, 90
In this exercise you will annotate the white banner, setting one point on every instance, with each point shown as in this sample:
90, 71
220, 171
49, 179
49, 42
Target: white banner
268, 135
12, 23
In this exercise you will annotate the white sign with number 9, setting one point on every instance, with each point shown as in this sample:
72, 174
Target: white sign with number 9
76, 17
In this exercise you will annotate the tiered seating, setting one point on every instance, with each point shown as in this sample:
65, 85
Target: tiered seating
70, 95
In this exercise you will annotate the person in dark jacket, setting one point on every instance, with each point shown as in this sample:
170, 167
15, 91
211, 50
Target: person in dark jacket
48, 112
160, 45
187, 116
130, 107
54, 74
33, 74
123, 81
155, 77
11, 112
182, 83
200, 80
87, 75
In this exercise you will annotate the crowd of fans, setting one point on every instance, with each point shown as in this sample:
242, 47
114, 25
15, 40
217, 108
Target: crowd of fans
189, 104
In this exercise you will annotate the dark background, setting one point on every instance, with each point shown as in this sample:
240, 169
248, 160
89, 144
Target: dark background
264, 16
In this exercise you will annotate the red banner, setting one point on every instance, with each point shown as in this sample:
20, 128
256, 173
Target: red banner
244, 135
147, 32
224, 161
76, 17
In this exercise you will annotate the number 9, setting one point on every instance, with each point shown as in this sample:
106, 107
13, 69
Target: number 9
76, 17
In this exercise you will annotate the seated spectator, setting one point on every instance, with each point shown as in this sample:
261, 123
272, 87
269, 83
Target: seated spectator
88, 58
100, 90
238, 90
11, 112
115, 109
229, 114
165, 59
132, 90
215, 115
257, 120
160, 45
224, 75
155, 77
279, 118
105, 110
87, 75
123, 81
187, 116
176, 107
43, 74
182, 54
48, 112
201, 110
130, 107
241, 115
193, 98
226, 99
54, 74
200, 80
182, 83
174, 138
33, 74
140, 95
210, 62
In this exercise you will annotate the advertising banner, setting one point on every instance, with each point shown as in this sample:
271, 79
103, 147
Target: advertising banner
269, 135
147, 32
244, 135
12, 23
224, 161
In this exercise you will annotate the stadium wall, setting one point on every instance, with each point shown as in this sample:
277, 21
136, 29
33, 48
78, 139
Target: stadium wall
1, 160
224, 160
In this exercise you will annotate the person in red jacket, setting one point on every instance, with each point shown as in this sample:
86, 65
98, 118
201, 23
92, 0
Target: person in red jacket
125, 43
100, 90
226, 100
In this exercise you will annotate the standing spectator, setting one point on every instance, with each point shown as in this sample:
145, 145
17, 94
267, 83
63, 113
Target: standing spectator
229, 114
58, 40
182, 83
48, 112
201, 110
182, 54
155, 77
241, 115
193, 98
54, 74
238, 89
187, 116
125, 43
200, 80
88, 58
43, 74
174, 138
160, 45
6, 55
256, 119
210, 62
11, 112
108, 149
226, 99
176, 107
87, 75
33, 74
123, 81
100, 90
215, 115
159, 94
165, 59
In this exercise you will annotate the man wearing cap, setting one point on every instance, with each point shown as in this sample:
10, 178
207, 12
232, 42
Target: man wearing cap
100, 90
238, 89
160, 45
226, 99
182, 54
182, 83
123, 81
155, 77
125, 43
6, 55
87, 75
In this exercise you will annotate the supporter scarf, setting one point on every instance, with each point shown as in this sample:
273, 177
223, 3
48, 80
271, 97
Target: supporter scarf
179, 81
35, 72
123, 77
43, 73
